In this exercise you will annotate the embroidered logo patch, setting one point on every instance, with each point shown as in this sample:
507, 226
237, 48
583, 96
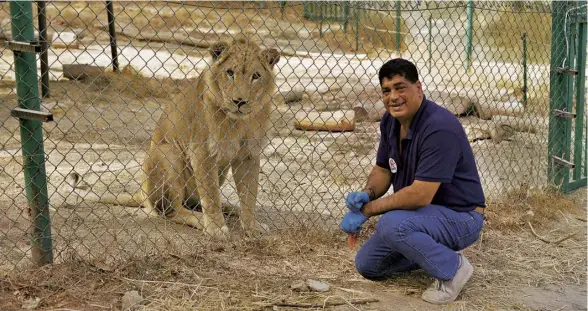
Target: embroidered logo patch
393, 167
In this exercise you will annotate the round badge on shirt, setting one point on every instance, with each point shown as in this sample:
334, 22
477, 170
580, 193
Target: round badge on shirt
393, 167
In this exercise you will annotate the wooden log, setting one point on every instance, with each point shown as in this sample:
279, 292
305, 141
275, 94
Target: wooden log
332, 121
488, 130
487, 109
455, 103
369, 111
131, 31
528, 124
82, 71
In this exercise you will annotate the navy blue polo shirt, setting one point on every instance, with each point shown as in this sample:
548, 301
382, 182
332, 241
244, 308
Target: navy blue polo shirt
435, 148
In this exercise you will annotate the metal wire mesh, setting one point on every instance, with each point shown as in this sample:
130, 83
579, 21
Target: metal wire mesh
489, 63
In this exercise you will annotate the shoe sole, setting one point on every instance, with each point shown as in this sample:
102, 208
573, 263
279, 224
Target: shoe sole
437, 302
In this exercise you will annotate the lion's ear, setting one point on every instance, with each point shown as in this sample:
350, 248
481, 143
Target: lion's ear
271, 56
217, 48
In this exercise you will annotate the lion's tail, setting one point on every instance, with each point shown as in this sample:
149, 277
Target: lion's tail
74, 180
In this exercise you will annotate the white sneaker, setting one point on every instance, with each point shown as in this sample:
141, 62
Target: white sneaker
442, 292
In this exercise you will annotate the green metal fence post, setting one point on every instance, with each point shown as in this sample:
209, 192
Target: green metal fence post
558, 89
397, 25
31, 131
430, 45
112, 34
283, 8
470, 10
42, 21
580, 101
525, 69
356, 13
346, 6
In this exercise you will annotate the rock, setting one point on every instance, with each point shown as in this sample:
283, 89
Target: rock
299, 286
369, 111
131, 299
317, 286
294, 95
31, 303
64, 40
457, 104
82, 71
486, 109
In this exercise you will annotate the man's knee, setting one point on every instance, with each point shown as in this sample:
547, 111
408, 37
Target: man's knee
366, 269
394, 225
366, 265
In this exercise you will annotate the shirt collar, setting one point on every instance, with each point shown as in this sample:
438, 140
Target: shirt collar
415, 120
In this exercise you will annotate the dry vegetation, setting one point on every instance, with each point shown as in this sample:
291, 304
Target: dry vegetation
505, 32
256, 274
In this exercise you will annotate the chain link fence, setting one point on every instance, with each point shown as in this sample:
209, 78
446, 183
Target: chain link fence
487, 62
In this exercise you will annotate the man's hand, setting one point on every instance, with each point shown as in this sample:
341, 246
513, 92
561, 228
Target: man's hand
355, 200
417, 195
352, 222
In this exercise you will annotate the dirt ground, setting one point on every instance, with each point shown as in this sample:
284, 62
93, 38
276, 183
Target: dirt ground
102, 128
174, 269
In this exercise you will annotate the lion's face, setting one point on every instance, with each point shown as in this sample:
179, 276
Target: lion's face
244, 77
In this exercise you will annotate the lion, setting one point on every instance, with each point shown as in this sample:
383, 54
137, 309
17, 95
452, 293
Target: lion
217, 123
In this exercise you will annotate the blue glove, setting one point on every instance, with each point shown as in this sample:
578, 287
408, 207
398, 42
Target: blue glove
352, 222
355, 200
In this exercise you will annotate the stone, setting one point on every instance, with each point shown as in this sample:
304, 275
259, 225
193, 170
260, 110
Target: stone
64, 40
317, 286
299, 286
131, 299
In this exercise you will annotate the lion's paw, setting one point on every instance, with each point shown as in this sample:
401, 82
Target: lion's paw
217, 233
254, 228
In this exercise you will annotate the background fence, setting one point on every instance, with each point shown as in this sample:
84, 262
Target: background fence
490, 63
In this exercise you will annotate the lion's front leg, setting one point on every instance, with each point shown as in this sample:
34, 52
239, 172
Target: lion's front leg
207, 182
246, 174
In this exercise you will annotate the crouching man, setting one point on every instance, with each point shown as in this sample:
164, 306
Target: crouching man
437, 206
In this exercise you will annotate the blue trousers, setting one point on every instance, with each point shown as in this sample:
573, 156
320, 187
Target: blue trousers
426, 238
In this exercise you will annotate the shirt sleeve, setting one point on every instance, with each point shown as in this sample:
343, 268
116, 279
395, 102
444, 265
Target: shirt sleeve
438, 157
384, 147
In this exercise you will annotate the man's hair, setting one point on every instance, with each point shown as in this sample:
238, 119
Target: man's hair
401, 67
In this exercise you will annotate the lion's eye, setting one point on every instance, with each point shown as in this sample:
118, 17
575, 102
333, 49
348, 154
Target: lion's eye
256, 76
230, 73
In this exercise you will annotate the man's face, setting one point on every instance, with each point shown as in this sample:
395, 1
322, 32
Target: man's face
401, 97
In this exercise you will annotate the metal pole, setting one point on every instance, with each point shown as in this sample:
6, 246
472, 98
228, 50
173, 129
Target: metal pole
42, 19
580, 100
430, 47
282, 8
557, 142
525, 69
397, 25
357, 28
112, 33
31, 132
470, 10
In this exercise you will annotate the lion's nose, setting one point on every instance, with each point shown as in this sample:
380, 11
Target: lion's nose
239, 102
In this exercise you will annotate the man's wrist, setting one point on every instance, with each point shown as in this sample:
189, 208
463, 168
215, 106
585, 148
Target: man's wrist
371, 193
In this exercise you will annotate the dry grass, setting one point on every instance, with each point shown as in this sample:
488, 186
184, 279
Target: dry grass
540, 207
379, 29
130, 82
505, 32
377, 32
251, 274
